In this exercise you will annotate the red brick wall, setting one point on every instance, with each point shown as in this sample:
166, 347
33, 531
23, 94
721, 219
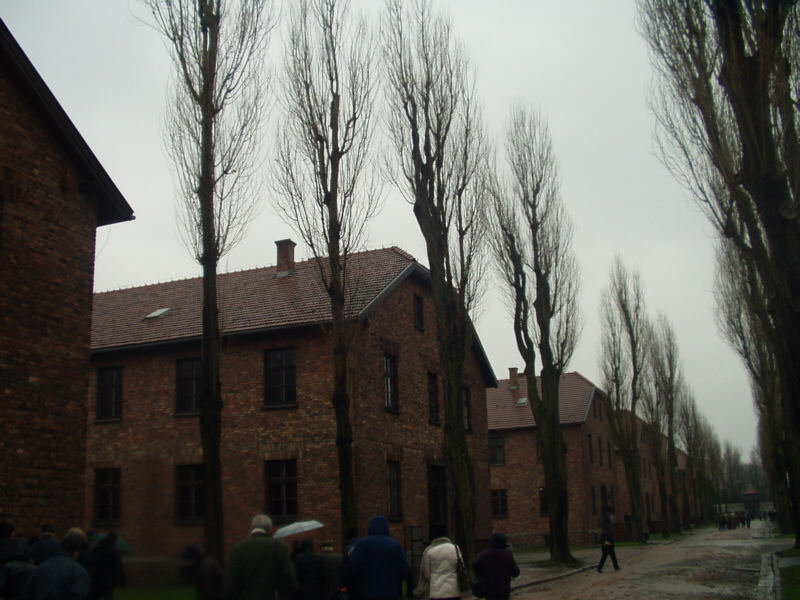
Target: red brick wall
46, 271
150, 440
522, 475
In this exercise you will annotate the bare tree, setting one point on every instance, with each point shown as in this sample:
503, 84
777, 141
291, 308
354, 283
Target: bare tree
668, 384
323, 174
745, 321
212, 133
623, 364
532, 247
729, 120
440, 167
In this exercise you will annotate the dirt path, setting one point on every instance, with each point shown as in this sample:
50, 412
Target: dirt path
708, 565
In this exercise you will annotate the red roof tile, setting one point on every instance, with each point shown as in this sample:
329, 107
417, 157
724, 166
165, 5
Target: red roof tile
505, 412
252, 300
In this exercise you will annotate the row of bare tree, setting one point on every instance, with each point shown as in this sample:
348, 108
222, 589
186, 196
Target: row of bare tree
727, 106
324, 177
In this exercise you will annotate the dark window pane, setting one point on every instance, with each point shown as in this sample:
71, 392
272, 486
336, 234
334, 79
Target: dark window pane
109, 392
280, 377
189, 385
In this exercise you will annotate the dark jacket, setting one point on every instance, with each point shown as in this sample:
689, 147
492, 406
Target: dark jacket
606, 537
44, 548
333, 574
258, 567
59, 578
496, 566
108, 571
378, 564
310, 571
13, 578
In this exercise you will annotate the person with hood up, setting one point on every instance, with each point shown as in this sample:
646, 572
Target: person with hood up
378, 564
496, 567
439, 568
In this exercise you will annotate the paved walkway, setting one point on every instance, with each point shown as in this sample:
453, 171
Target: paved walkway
532, 572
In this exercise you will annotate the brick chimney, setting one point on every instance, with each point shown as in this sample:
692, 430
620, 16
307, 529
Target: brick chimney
513, 383
285, 257
513, 378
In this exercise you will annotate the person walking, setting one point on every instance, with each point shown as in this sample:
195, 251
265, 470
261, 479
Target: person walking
332, 562
61, 577
15, 572
439, 568
607, 544
259, 566
496, 567
378, 565
309, 569
108, 570
47, 546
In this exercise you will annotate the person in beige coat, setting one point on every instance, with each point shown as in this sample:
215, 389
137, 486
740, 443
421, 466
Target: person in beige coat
439, 569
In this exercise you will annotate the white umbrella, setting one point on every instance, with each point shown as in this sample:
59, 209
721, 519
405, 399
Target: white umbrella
297, 527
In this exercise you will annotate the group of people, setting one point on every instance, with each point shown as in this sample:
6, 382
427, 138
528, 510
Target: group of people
373, 567
49, 568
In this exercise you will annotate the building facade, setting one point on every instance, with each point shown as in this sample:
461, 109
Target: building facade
278, 443
53, 195
595, 473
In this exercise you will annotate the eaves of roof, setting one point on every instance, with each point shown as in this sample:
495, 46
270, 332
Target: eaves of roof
111, 205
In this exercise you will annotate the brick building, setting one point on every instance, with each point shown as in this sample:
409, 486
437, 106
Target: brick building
278, 431
53, 195
595, 474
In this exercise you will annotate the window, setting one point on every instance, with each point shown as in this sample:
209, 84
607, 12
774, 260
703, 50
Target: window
282, 489
497, 450
419, 313
109, 393
437, 497
594, 502
189, 385
280, 378
390, 383
433, 398
608, 451
107, 495
591, 449
544, 509
393, 489
600, 451
190, 493
466, 408
499, 504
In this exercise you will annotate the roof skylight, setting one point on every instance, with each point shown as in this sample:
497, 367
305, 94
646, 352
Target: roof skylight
522, 402
157, 313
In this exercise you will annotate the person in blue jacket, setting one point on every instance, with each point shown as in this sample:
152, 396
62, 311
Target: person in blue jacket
378, 565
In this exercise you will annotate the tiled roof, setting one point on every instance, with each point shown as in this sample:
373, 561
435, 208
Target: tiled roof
252, 300
505, 412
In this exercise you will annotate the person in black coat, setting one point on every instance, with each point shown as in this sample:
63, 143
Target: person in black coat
47, 546
496, 567
15, 572
607, 543
309, 569
108, 572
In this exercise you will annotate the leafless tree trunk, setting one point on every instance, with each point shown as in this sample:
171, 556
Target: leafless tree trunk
212, 134
324, 177
623, 367
729, 119
532, 246
669, 387
440, 167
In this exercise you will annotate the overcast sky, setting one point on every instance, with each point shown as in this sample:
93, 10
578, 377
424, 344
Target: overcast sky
581, 62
